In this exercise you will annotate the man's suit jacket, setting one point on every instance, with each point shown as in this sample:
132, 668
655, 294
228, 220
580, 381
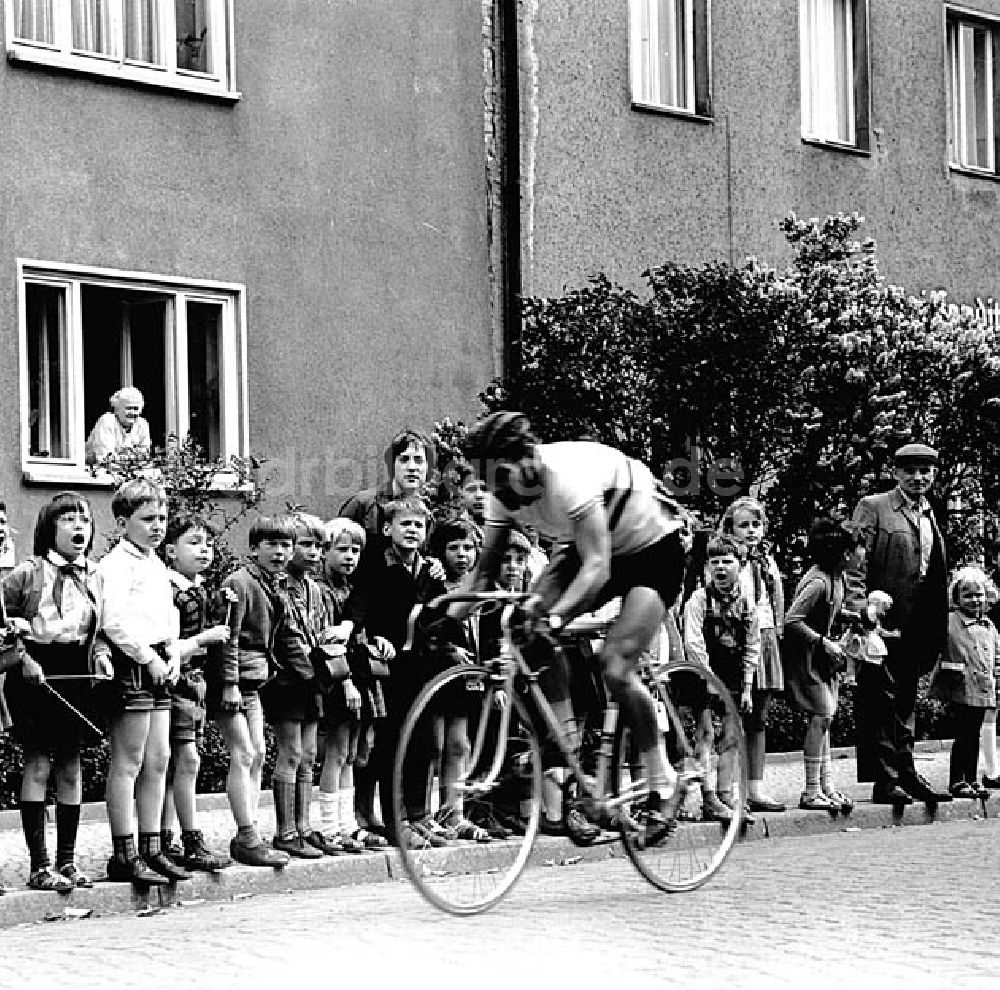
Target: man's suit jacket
892, 564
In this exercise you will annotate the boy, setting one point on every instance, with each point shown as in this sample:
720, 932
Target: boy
721, 631
455, 542
141, 624
187, 551
404, 580
473, 494
236, 675
291, 700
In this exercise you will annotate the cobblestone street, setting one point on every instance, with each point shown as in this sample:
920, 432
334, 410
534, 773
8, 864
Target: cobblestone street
882, 907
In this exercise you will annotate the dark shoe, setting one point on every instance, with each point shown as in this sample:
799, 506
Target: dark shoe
981, 792
197, 856
765, 804
993, 782
171, 848
161, 863
426, 835
296, 846
548, 827
257, 854
920, 788
134, 870
661, 814
714, 810
328, 847
962, 789
580, 829
890, 794
77, 877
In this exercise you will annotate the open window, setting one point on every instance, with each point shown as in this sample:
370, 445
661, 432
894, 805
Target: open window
85, 334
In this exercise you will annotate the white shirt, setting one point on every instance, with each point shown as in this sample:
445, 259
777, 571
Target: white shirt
108, 435
576, 476
138, 602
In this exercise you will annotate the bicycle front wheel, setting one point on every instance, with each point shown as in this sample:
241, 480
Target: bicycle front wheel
495, 784
703, 734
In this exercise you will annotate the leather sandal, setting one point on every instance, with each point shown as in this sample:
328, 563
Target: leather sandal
46, 879
75, 876
844, 803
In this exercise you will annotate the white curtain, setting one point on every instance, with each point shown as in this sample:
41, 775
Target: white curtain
827, 67
143, 42
92, 26
663, 60
33, 20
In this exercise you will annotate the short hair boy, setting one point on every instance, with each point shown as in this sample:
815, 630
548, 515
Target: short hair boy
244, 663
188, 553
141, 624
722, 632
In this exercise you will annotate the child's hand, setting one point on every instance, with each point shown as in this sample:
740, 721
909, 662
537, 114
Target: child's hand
158, 670
385, 650
352, 696
500, 700
232, 700
436, 569
31, 670
746, 699
216, 634
19, 626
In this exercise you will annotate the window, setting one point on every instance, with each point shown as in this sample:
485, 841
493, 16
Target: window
177, 44
972, 62
833, 42
85, 334
669, 44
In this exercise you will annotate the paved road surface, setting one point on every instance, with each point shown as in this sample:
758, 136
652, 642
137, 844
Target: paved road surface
913, 907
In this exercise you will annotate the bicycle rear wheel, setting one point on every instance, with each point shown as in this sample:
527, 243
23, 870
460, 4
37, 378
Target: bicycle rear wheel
703, 734
499, 789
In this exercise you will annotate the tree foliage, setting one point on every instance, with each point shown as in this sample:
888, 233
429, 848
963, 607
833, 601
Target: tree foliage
809, 376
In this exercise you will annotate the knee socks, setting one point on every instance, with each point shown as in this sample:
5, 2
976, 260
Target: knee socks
33, 824
348, 820
303, 799
329, 812
67, 825
812, 774
123, 847
284, 807
149, 843
826, 767
988, 748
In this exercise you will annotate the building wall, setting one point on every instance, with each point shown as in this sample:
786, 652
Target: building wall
345, 189
608, 188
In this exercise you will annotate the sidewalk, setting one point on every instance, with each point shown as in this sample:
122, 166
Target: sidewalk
784, 776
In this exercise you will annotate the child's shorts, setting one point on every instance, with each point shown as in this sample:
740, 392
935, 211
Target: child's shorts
249, 699
187, 720
295, 701
134, 690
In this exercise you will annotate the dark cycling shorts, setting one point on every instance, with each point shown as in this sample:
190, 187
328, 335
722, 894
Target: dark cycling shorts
660, 567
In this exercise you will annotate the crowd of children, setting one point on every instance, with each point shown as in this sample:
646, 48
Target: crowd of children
310, 634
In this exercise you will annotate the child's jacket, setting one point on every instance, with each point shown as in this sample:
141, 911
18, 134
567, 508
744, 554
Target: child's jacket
253, 622
965, 672
723, 632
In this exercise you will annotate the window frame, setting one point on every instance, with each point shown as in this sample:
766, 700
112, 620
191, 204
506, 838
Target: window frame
860, 90
233, 402
956, 14
698, 70
220, 84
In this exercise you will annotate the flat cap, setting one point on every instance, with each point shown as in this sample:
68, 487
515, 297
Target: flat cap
915, 453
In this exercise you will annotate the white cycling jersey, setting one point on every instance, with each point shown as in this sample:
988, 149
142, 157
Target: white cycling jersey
578, 474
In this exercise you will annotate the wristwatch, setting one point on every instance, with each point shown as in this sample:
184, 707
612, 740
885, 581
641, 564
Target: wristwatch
555, 622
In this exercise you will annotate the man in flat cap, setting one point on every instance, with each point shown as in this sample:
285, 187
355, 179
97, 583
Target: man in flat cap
904, 556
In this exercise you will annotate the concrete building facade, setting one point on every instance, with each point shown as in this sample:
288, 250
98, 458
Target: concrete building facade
883, 107
271, 218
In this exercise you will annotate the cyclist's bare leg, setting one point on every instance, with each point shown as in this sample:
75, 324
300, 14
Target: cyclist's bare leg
640, 618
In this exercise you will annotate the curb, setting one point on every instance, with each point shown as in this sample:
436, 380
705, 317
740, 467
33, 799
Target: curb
849, 752
238, 882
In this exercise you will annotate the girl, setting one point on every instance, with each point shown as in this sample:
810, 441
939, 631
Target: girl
813, 661
746, 521
53, 599
350, 708
963, 676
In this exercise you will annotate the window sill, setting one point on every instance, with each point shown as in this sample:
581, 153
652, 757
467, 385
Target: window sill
119, 72
847, 149
661, 111
224, 483
973, 173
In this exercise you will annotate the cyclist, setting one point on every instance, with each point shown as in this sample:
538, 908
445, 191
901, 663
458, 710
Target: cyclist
616, 533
